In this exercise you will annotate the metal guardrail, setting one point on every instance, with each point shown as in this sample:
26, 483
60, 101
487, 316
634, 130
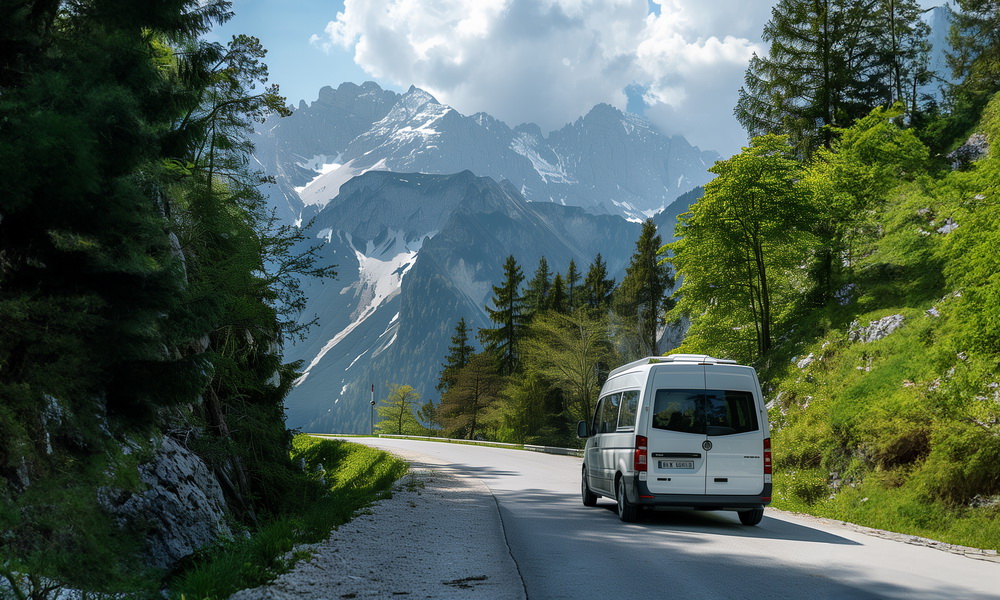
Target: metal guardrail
529, 447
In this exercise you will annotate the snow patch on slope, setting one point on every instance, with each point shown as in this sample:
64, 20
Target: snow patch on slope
326, 186
527, 146
380, 277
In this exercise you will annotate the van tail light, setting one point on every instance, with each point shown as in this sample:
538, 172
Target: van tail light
767, 456
641, 452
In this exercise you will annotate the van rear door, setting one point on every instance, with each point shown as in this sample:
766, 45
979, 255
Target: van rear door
676, 430
733, 422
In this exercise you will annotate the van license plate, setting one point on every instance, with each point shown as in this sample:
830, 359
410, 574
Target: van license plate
676, 464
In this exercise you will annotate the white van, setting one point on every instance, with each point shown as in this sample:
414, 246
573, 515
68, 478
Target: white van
682, 431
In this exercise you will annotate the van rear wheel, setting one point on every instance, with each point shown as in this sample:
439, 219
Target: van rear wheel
751, 517
627, 511
589, 497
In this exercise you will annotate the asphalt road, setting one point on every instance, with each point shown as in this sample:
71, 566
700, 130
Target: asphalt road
565, 550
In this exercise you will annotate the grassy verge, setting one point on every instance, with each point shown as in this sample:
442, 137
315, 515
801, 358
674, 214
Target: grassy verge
353, 475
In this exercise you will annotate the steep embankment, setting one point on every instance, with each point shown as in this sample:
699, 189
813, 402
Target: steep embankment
886, 410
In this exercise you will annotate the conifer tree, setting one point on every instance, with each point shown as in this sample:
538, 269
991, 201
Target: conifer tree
597, 287
557, 299
641, 299
459, 354
536, 292
829, 62
974, 55
573, 292
508, 314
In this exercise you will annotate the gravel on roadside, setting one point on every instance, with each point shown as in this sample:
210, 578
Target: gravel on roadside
438, 536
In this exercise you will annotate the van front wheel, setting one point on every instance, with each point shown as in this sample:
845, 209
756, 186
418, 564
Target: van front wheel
589, 497
751, 517
627, 511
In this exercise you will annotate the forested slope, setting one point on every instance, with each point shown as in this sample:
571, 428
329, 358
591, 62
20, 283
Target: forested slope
144, 294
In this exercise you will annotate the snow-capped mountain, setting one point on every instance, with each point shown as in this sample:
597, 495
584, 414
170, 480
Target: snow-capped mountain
606, 161
416, 252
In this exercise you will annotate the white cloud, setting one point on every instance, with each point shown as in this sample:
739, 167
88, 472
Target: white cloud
548, 61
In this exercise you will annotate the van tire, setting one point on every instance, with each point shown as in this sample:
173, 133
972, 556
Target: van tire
627, 511
589, 497
751, 517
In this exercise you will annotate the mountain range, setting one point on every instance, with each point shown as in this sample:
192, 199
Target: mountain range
607, 161
416, 252
419, 205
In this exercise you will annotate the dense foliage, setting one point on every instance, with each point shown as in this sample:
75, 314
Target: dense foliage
144, 291
881, 375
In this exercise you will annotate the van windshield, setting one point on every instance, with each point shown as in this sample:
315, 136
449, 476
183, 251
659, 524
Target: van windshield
705, 412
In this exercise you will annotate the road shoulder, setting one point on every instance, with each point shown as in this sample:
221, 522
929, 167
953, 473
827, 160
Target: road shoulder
438, 536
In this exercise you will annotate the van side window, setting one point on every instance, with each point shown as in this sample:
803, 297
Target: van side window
606, 419
627, 412
706, 412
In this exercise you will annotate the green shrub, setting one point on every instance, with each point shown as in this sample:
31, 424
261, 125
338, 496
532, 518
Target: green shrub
964, 463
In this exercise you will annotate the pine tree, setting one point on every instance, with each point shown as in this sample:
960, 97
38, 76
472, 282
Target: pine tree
597, 287
459, 354
536, 293
476, 389
508, 314
573, 291
974, 54
641, 299
557, 298
830, 62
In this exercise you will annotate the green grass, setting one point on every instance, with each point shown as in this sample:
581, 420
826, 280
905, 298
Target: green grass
355, 476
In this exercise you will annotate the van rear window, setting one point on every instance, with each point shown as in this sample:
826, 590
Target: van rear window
706, 412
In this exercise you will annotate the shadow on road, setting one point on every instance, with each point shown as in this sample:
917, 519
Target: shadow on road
673, 521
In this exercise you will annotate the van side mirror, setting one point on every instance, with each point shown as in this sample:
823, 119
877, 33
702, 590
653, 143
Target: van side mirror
582, 430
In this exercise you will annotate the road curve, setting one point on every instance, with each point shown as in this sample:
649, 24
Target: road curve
565, 550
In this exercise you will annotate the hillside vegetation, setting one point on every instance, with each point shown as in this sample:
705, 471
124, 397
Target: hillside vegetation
885, 399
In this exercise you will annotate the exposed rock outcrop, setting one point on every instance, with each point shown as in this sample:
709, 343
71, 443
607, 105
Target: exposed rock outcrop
875, 330
183, 505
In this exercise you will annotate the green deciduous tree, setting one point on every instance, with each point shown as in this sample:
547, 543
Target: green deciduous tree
851, 179
571, 350
739, 250
396, 411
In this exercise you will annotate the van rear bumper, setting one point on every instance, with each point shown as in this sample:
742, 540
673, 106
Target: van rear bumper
640, 495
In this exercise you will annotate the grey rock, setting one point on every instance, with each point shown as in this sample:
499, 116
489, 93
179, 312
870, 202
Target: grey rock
975, 148
876, 330
183, 504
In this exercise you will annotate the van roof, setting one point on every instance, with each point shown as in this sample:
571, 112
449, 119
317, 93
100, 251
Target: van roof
701, 359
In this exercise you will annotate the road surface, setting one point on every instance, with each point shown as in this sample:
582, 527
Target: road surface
563, 549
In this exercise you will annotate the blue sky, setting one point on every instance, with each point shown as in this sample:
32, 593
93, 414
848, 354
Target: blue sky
680, 62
